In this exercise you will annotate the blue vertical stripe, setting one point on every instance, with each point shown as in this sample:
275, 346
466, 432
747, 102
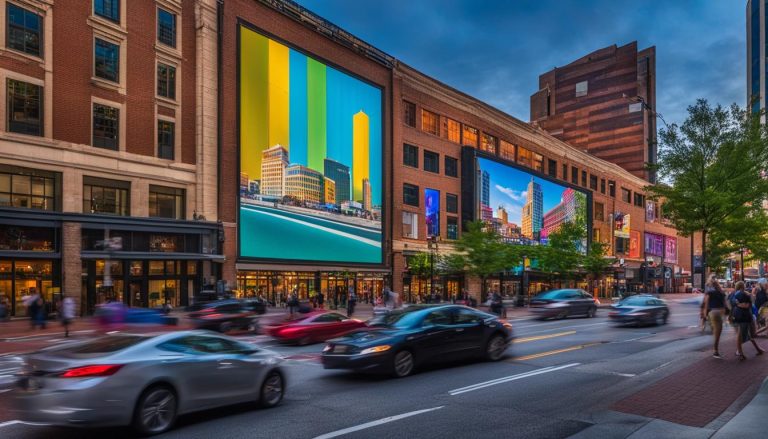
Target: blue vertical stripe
298, 107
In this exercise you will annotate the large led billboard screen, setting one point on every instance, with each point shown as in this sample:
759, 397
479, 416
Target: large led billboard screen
524, 207
310, 158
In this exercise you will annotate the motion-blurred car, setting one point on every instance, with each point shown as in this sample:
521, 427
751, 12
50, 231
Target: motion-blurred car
145, 381
405, 339
563, 303
224, 316
256, 305
638, 310
315, 327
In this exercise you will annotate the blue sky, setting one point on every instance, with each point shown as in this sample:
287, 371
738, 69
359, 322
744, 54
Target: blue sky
495, 50
509, 189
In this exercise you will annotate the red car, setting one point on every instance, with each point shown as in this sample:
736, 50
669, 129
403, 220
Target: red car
313, 327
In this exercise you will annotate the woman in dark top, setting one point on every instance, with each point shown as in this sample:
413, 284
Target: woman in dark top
713, 307
742, 317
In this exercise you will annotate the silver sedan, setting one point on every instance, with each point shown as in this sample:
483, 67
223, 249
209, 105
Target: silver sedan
145, 381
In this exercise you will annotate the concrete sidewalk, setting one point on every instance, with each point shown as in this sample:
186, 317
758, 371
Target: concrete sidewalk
749, 422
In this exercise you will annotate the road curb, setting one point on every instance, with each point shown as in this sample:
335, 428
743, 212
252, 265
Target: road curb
746, 422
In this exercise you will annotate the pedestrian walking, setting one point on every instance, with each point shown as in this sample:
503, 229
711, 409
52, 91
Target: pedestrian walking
351, 302
320, 300
743, 318
497, 304
5, 310
67, 313
713, 308
761, 301
293, 302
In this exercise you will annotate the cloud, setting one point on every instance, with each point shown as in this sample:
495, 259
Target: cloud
517, 196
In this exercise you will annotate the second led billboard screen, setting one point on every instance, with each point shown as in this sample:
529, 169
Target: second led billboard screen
523, 207
310, 158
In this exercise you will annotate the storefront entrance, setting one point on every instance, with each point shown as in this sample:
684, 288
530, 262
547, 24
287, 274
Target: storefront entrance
20, 278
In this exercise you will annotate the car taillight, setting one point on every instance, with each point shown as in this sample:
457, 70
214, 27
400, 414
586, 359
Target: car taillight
212, 316
101, 370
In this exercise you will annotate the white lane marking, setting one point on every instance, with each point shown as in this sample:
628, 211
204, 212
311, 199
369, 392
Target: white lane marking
16, 421
5, 390
483, 385
370, 242
628, 375
375, 423
305, 215
560, 328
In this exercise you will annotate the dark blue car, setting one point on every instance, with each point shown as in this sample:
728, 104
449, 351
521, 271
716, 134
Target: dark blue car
401, 341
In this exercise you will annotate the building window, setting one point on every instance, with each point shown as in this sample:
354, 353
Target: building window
582, 88
107, 60
599, 212
574, 175
507, 150
451, 203
24, 30
106, 127
593, 182
409, 113
611, 188
166, 27
552, 168
109, 9
584, 178
524, 156
166, 136
410, 194
410, 225
26, 188
564, 175
166, 81
639, 200
488, 143
626, 195
24, 108
469, 136
453, 130
451, 167
105, 196
602, 186
595, 235
166, 202
453, 228
431, 161
538, 162
410, 155
430, 122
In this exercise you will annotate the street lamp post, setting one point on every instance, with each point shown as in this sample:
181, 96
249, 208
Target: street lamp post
432, 245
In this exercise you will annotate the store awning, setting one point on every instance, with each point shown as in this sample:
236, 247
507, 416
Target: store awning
249, 266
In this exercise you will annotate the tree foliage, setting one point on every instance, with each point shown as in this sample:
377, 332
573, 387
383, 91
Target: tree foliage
483, 252
712, 168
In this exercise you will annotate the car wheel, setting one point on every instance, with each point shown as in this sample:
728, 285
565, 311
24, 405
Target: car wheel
495, 348
155, 411
661, 318
563, 314
591, 312
402, 364
272, 390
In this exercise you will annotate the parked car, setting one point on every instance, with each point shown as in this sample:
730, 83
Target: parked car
224, 316
563, 303
315, 328
639, 310
145, 381
406, 339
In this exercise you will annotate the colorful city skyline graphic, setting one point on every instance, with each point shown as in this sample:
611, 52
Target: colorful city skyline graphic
522, 207
310, 158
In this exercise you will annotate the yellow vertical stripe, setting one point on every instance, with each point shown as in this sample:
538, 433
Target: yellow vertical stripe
278, 94
360, 152
253, 101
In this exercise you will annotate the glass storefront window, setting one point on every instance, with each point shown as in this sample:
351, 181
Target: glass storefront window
28, 239
156, 267
137, 268
191, 268
115, 267
162, 290
166, 243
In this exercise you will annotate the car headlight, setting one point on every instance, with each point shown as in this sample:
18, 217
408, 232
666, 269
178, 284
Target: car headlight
327, 348
376, 349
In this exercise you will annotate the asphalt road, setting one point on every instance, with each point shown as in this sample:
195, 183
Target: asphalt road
558, 378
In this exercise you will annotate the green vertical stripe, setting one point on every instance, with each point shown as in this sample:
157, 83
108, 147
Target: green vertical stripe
316, 115
254, 101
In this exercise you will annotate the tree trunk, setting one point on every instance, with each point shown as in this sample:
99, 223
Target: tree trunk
482, 289
704, 256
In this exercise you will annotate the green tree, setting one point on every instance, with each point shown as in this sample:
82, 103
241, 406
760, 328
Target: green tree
561, 257
483, 253
711, 169
594, 263
740, 235
419, 265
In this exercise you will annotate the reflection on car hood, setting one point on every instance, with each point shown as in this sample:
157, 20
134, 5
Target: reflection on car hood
367, 336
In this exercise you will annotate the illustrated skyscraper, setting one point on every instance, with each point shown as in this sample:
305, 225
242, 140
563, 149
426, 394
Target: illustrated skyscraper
340, 175
273, 163
756, 53
485, 193
367, 201
304, 183
360, 153
533, 211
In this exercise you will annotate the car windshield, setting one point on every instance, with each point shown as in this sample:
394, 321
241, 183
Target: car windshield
634, 301
554, 294
102, 345
400, 320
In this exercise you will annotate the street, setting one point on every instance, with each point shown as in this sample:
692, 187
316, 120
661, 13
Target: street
559, 378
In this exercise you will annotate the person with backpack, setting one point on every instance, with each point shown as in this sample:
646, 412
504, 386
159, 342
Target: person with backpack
761, 300
744, 320
713, 308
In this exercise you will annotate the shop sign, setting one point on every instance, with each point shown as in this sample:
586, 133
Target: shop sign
621, 225
670, 249
634, 244
650, 211
654, 244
